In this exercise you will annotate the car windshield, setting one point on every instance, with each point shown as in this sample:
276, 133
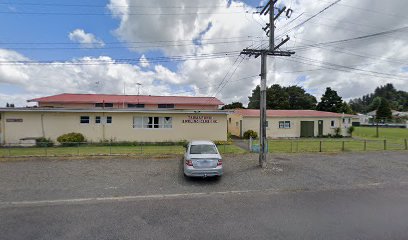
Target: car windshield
203, 149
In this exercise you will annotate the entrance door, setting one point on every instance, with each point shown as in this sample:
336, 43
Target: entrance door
320, 128
307, 129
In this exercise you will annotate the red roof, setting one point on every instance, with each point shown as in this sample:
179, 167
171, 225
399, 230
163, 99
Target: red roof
289, 113
99, 98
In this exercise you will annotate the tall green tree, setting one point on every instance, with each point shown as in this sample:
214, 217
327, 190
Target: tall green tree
384, 110
233, 105
300, 99
345, 108
277, 98
254, 98
397, 100
330, 102
375, 104
292, 97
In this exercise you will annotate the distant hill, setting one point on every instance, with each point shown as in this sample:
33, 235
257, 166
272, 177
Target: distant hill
398, 100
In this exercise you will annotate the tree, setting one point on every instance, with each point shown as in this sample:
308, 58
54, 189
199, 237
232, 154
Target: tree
254, 99
384, 110
233, 105
397, 100
277, 98
7, 105
299, 99
345, 108
292, 97
374, 104
12, 105
330, 101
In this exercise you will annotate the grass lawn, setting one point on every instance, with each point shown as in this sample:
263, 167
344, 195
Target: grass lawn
105, 150
363, 140
330, 145
384, 133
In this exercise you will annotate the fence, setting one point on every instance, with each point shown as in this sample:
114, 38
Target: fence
89, 149
328, 145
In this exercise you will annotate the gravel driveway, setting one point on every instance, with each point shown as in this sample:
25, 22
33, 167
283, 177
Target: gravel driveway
48, 179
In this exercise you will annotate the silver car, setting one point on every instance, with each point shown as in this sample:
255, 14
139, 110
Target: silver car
202, 159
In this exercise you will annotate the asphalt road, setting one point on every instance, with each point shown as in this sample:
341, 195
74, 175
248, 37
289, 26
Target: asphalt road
315, 196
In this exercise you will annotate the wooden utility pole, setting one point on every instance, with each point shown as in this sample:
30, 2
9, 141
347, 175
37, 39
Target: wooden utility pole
272, 51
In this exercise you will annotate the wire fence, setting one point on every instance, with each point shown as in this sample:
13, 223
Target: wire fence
329, 145
102, 149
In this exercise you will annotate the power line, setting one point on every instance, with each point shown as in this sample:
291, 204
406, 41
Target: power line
311, 17
117, 6
201, 88
126, 47
110, 14
131, 42
313, 62
126, 60
350, 68
342, 50
355, 38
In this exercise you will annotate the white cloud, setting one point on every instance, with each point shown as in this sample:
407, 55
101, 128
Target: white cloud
85, 39
143, 61
339, 22
84, 75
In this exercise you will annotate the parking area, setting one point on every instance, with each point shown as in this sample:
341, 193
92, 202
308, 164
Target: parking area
50, 179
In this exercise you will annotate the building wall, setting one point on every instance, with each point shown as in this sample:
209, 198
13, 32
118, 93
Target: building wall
120, 105
52, 125
273, 130
234, 124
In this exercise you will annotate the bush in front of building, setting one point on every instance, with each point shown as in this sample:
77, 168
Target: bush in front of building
350, 130
71, 139
44, 142
337, 133
250, 133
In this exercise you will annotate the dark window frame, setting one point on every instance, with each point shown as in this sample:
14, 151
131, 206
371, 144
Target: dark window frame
104, 105
109, 119
136, 105
84, 119
166, 105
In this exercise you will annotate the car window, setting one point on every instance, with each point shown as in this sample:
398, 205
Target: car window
203, 149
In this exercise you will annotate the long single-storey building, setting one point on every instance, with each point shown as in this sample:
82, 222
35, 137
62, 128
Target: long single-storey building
102, 117
289, 123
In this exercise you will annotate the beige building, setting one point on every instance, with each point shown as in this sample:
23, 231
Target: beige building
117, 118
289, 123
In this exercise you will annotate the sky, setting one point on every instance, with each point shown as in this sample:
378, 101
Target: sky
191, 47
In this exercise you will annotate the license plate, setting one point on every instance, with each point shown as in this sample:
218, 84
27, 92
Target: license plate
204, 163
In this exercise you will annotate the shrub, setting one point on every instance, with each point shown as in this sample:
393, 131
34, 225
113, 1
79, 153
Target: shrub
337, 133
44, 142
250, 133
228, 142
350, 130
71, 139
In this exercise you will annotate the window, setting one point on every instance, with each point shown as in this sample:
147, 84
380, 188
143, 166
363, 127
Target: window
109, 119
152, 122
84, 119
229, 119
107, 105
131, 105
165, 105
344, 120
98, 119
332, 123
203, 149
284, 124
